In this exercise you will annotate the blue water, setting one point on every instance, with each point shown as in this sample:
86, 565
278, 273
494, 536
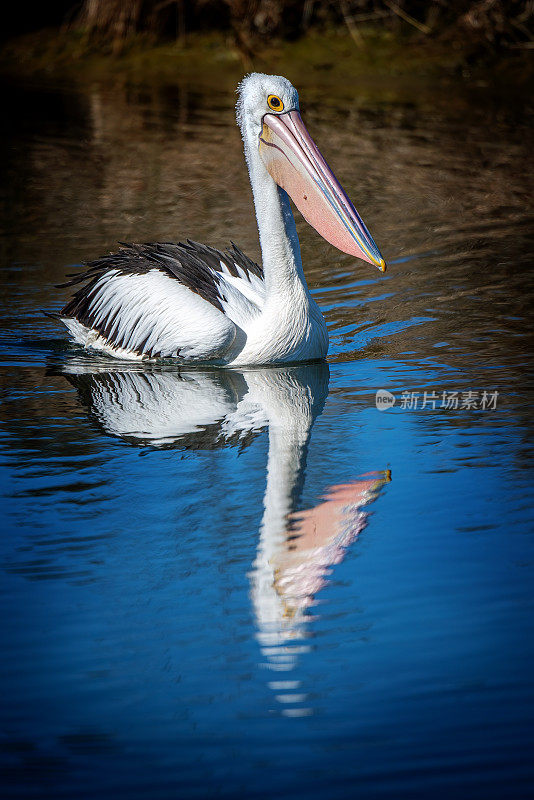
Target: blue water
150, 649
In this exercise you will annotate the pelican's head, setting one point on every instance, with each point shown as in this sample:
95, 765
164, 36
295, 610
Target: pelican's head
268, 114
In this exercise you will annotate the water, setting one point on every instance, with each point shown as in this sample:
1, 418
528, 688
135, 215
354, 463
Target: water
225, 583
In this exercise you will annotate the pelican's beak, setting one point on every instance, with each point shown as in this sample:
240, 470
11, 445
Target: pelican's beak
295, 163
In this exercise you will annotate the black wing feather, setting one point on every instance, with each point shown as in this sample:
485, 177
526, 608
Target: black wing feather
193, 264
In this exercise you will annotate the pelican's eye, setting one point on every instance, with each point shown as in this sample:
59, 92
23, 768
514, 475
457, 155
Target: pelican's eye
274, 103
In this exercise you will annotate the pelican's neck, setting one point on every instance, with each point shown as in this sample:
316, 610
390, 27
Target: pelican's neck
280, 248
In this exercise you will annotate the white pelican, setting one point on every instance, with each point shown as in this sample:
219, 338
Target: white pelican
190, 302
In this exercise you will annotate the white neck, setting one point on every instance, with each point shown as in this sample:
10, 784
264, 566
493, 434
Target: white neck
290, 326
280, 248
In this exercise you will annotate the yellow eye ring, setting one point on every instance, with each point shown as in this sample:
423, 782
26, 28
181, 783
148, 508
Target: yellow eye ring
275, 103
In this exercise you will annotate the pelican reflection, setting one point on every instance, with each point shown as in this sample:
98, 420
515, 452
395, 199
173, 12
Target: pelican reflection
206, 409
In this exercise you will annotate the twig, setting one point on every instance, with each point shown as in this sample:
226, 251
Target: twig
352, 27
307, 11
523, 28
527, 12
407, 18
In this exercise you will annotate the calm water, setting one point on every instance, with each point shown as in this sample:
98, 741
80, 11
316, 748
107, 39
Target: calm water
253, 583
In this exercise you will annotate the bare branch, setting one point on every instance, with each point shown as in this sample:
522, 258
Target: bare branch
407, 18
351, 25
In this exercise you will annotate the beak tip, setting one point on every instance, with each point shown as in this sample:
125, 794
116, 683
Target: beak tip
382, 266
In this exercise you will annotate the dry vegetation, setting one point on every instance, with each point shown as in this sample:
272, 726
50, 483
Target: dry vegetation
491, 25
158, 38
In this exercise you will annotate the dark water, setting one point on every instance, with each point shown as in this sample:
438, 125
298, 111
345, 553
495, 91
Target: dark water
254, 583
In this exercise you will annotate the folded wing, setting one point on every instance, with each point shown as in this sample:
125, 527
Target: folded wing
186, 301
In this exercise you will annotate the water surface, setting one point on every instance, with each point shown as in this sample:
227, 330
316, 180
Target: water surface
252, 582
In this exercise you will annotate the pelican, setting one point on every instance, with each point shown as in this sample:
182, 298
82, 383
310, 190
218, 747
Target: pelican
191, 302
